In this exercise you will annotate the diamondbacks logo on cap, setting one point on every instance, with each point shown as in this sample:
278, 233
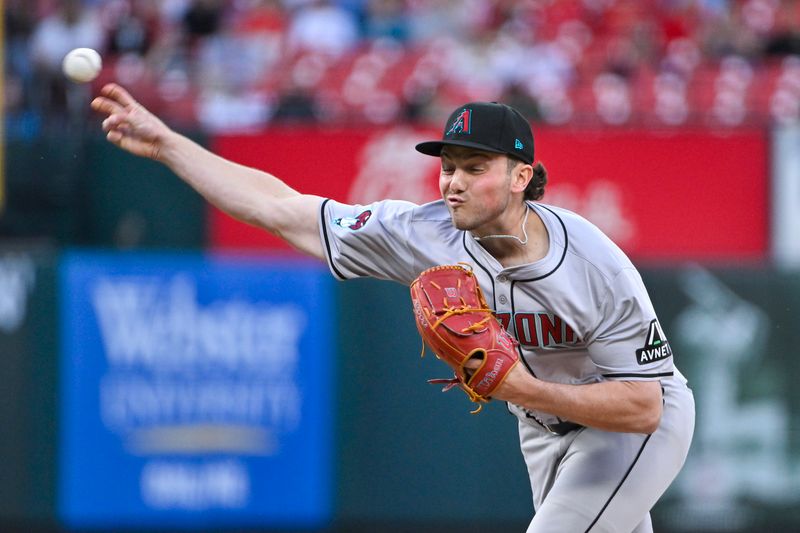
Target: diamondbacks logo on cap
462, 123
656, 347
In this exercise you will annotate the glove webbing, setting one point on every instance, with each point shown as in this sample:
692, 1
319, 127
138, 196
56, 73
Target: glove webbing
451, 310
455, 382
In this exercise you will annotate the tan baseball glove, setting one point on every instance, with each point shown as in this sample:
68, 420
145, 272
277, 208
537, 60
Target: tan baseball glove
453, 319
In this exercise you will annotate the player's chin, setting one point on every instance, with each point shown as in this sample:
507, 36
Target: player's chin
460, 222
464, 221
459, 217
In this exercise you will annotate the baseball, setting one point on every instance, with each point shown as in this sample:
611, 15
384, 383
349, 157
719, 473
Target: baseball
82, 65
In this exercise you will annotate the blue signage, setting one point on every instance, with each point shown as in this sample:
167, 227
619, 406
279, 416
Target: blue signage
196, 391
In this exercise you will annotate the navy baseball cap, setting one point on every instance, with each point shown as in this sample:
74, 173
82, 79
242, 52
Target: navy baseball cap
488, 126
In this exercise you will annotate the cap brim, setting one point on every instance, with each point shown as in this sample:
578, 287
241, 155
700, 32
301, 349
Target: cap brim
434, 148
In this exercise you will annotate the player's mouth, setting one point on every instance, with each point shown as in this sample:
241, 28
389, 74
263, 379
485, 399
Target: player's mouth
455, 201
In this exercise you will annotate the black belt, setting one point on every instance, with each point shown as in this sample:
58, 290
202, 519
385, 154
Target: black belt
562, 428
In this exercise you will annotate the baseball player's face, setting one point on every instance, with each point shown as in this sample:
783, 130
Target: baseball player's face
475, 185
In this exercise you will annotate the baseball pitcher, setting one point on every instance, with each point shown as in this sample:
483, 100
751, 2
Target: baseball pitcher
605, 418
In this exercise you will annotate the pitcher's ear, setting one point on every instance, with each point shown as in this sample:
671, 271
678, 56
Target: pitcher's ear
521, 175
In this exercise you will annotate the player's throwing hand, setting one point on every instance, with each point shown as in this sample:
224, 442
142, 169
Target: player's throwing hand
128, 124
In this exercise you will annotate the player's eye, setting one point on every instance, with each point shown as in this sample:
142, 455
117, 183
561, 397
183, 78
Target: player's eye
448, 170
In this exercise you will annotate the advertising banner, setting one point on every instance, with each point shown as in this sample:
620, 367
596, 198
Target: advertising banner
195, 391
661, 195
735, 338
355, 166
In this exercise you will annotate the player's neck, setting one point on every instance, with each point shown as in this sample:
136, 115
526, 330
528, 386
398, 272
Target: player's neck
525, 242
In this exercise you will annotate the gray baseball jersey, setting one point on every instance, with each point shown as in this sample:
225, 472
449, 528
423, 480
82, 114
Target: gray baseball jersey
581, 315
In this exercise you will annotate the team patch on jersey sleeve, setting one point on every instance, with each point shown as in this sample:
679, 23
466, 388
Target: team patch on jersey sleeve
656, 347
354, 223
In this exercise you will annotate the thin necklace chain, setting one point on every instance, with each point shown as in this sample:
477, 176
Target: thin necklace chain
523, 242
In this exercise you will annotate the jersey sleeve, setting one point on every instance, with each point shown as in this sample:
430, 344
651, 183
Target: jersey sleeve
367, 240
629, 343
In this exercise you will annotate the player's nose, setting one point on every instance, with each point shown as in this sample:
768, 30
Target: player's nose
458, 182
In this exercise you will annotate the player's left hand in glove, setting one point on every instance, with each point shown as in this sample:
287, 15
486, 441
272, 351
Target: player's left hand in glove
453, 319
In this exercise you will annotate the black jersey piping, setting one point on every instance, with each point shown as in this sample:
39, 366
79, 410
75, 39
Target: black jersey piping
464, 243
511, 290
619, 486
327, 241
563, 253
514, 282
635, 375
513, 322
522, 358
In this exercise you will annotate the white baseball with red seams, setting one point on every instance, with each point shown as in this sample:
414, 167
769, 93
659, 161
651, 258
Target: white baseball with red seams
82, 65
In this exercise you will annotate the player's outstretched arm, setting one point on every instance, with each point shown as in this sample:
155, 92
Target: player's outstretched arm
247, 194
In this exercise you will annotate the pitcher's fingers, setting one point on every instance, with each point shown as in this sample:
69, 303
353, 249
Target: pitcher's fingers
113, 121
473, 363
107, 106
118, 94
114, 136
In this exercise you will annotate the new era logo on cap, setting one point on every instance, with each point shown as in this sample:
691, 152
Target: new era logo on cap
487, 126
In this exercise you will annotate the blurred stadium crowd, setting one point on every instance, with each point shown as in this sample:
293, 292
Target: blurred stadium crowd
233, 65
